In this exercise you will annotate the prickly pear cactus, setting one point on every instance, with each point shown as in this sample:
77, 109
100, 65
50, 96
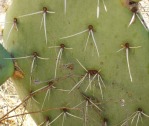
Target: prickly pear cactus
80, 62
6, 67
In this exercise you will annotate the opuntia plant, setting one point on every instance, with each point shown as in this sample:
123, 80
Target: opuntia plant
78, 62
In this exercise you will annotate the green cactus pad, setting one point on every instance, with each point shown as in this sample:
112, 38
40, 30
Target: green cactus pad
6, 66
74, 71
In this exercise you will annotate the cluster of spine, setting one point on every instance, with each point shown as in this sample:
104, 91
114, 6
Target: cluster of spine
92, 74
